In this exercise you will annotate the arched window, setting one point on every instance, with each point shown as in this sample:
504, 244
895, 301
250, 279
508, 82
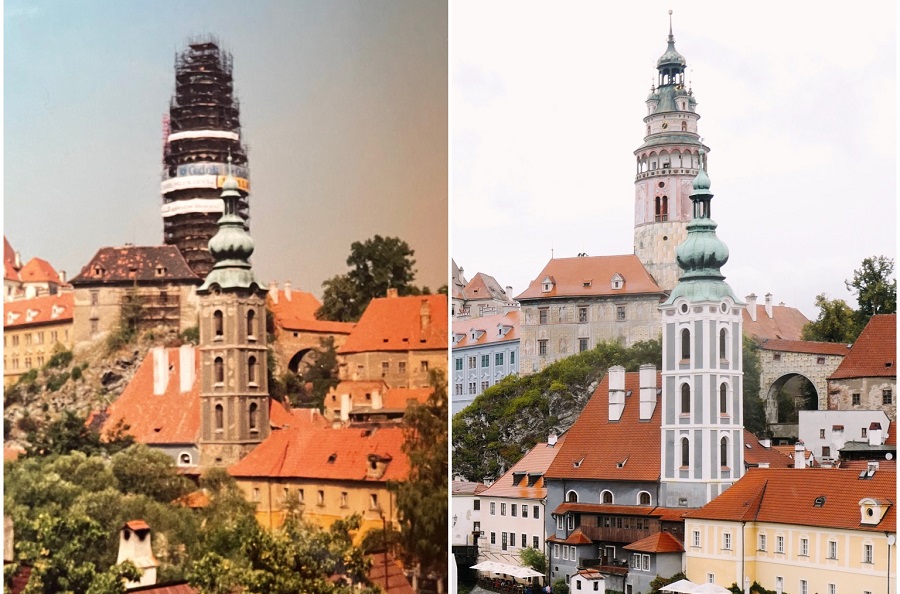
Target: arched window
685, 399
606, 497
684, 126
218, 323
685, 452
220, 418
184, 459
643, 498
571, 497
251, 323
723, 339
723, 451
253, 415
218, 370
664, 212
251, 370
685, 344
723, 399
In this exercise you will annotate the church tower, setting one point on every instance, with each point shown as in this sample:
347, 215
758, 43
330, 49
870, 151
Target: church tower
234, 395
666, 163
702, 391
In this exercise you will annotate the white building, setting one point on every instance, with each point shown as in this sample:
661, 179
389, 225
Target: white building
485, 350
466, 512
826, 432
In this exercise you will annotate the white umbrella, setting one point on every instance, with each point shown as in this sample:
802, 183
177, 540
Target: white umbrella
681, 586
709, 588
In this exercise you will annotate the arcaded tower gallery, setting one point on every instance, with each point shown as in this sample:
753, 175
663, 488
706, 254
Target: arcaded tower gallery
203, 128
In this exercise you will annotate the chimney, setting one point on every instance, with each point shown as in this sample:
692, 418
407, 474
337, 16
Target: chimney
616, 392
462, 278
273, 292
134, 546
160, 370
287, 290
769, 305
8, 548
425, 315
18, 261
345, 407
62, 277
766, 443
837, 438
509, 292
799, 455
875, 436
186, 367
391, 293
648, 391
751, 305
552, 439
377, 401
763, 465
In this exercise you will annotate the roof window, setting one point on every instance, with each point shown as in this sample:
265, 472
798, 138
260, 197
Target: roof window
332, 458
617, 281
819, 502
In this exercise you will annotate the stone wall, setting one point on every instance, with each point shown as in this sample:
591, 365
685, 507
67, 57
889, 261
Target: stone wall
871, 392
774, 373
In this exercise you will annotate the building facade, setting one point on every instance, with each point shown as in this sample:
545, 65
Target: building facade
484, 351
867, 377
465, 511
33, 330
826, 432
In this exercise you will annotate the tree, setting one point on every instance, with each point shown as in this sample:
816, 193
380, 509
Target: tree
534, 559
875, 290
422, 498
149, 472
376, 265
70, 433
836, 322
319, 376
754, 407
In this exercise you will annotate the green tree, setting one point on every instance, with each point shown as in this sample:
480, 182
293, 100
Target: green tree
319, 376
754, 406
149, 472
836, 322
70, 433
376, 265
422, 498
560, 586
534, 559
875, 290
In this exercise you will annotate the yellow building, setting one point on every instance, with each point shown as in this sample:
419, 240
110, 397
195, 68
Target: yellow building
33, 329
800, 531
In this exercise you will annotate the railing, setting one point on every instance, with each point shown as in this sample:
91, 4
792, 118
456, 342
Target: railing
606, 534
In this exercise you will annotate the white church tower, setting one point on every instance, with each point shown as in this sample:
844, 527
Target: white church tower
702, 391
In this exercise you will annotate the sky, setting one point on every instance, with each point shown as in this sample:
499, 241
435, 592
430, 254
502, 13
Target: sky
797, 103
343, 107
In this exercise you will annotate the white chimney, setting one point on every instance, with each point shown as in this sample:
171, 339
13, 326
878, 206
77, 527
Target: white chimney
616, 392
875, 436
287, 290
462, 278
799, 455
552, 439
273, 292
345, 407
186, 367
751, 305
18, 261
769, 305
160, 370
509, 292
134, 546
425, 315
392, 292
837, 438
377, 401
648, 391
62, 276
763, 464
766, 443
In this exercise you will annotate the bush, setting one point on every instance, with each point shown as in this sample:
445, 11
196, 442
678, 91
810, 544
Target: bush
560, 587
27, 424
56, 381
191, 335
76, 373
60, 359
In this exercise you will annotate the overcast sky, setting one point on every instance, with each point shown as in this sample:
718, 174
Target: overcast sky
343, 106
797, 104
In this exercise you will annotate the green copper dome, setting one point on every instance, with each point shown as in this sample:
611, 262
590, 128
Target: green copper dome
671, 57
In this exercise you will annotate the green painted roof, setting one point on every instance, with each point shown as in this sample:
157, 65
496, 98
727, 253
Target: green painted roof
680, 138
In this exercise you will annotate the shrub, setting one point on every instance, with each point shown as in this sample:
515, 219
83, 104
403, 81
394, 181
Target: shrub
56, 381
60, 359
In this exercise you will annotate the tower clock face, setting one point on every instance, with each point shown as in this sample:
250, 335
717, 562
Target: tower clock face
665, 125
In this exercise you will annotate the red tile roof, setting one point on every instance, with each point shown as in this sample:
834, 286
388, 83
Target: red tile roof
296, 310
135, 263
467, 488
387, 573
572, 274
490, 326
576, 537
484, 287
661, 542
168, 588
396, 324
46, 309
601, 444
755, 453
12, 453
39, 271
330, 454
786, 323
806, 346
874, 354
788, 495
515, 482
9, 254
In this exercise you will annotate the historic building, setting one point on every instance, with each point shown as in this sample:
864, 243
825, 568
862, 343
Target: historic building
867, 377
768, 321
36, 278
485, 350
201, 131
466, 512
33, 330
234, 391
481, 296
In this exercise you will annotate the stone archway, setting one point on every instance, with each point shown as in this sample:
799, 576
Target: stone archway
302, 360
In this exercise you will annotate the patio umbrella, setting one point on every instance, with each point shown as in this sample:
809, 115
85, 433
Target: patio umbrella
681, 586
711, 589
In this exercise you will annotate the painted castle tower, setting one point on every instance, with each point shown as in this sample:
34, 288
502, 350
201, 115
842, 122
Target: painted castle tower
702, 391
234, 394
203, 127
666, 162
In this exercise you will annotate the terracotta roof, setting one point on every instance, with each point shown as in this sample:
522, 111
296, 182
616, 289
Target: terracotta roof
136, 525
590, 574
168, 588
396, 324
484, 287
490, 327
39, 271
324, 453
755, 453
194, 500
135, 263
601, 445
874, 354
457, 284
576, 537
788, 496
398, 398
533, 464
591, 276
296, 310
10, 272
279, 416
9, 254
661, 542
786, 323
467, 488
387, 573
805, 346
12, 453
38, 310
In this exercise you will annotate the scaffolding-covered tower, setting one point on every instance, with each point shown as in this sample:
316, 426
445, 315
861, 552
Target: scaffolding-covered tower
202, 129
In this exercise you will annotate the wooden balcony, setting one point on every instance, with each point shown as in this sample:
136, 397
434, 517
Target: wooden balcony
623, 535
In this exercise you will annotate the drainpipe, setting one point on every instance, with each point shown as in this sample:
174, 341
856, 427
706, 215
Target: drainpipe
743, 556
891, 539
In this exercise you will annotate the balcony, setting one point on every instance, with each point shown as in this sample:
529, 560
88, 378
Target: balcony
624, 535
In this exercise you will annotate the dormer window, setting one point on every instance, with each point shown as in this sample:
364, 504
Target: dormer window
30, 314
160, 270
617, 282
547, 284
98, 270
587, 283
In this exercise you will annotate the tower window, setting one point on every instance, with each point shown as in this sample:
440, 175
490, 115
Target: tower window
723, 399
723, 336
253, 417
684, 126
251, 323
220, 418
685, 452
251, 370
219, 370
723, 451
685, 344
685, 399
218, 323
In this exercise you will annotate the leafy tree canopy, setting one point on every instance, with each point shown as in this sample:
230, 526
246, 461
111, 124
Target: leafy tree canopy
534, 559
836, 322
875, 290
70, 433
